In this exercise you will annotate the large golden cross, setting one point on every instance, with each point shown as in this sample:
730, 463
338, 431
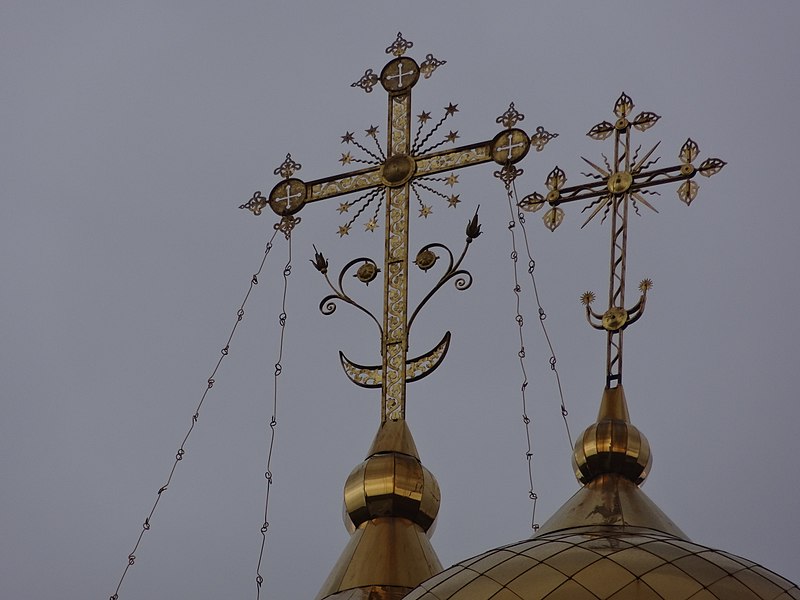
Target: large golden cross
617, 187
404, 163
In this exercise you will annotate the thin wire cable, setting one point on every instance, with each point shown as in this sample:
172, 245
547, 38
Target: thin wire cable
542, 315
287, 270
532, 495
181, 450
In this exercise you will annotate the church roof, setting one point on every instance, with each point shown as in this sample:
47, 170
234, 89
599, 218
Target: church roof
614, 563
609, 541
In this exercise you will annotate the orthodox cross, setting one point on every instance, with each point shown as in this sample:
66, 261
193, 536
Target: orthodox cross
616, 187
390, 179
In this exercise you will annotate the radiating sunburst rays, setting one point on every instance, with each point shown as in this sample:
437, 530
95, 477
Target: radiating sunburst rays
630, 174
604, 202
428, 138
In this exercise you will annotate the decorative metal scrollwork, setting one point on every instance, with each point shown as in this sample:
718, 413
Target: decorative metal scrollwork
366, 272
426, 258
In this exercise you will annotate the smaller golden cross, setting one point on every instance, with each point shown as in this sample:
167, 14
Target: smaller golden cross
616, 187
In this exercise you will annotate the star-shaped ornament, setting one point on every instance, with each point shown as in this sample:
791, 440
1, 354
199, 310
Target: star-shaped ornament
453, 200
371, 225
424, 117
347, 137
425, 211
343, 207
346, 158
344, 230
372, 131
452, 136
452, 179
451, 109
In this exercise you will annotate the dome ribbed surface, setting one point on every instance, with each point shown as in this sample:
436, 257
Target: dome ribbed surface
606, 563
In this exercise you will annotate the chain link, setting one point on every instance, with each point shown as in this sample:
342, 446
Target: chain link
516, 216
195, 417
513, 201
287, 271
514, 256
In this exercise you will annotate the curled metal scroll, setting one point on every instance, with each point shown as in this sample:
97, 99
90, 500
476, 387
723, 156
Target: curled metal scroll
463, 277
369, 376
327, 305
616, 318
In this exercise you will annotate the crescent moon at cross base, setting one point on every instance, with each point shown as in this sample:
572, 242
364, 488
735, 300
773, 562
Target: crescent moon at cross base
416, 368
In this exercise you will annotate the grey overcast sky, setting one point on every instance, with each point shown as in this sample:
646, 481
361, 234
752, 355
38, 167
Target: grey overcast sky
132, 131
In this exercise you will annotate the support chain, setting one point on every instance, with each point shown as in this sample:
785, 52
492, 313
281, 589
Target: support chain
542, 315
195, 417
287, 270
516, 216
532, 495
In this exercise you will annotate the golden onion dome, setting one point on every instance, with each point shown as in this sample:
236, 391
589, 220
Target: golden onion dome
612, 444
391, 484
390, 507
609, 541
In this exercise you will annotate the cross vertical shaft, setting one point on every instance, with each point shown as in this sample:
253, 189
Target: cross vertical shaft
619, 253
394, 346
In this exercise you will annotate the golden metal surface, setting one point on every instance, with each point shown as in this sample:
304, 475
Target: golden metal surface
367, 272
392, 484
397, 170
377, 479
353, 182
383, 553
612, 447
610, 500
613, 405
395, 304
390, 503
454, 159
394, 436
425, 259
422, 365
416, 368
510, 146
399, 75
612, 444
608, 542
619, 183
606, 563
614, 319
